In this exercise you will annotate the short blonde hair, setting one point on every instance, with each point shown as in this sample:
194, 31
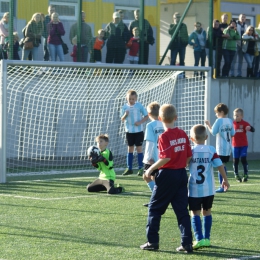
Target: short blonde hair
198, 132
74, 40
103, 137
131, 92
239, 110
167, 113
153, 108
100, 31
135, 29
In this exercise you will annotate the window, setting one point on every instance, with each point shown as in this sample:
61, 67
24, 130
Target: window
128, 13
4, 6
66, 11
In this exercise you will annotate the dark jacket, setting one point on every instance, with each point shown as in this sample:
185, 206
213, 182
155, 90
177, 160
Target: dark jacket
181, 39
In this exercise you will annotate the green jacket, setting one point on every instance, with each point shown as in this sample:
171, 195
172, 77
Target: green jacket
230, 43
182, 37
106, 171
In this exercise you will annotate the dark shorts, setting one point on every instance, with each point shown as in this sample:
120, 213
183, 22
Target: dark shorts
204, 203
97, 55
136, 139
239, 152
224, 159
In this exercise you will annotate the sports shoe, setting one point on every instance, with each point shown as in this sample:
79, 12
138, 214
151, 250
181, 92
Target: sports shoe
127, 172
219, 190
140, 172
237, 177
198, 244
149, 246
146, 204
207, 242
185, 249
245, 178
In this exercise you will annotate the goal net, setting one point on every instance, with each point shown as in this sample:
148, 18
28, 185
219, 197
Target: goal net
51, 115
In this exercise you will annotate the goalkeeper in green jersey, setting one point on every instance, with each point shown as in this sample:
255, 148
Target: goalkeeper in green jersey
104, 163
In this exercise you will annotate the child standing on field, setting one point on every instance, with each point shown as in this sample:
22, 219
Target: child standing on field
133, 46
170, 182
134, 115
104, 163
240, 143
202, 185
223, 129
152, 132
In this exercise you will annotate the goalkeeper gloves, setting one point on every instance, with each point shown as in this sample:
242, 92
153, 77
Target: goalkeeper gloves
98, 159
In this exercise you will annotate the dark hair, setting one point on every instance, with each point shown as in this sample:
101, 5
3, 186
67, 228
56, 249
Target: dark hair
221, 108
232, 21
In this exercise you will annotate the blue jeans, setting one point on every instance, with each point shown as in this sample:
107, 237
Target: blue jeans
256, 65
200, 56
249, 59
170, 188
56, 51
84, 53
238, 54
228, 58
25, 53
181, 50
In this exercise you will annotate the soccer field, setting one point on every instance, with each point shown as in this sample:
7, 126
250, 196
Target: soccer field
54, 217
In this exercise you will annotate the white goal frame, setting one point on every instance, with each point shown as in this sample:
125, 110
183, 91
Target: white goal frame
100, 68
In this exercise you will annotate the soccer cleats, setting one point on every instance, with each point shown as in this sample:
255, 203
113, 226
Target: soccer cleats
237, 177
127, 172
140, 172
220, 190
198, 244
245, 178
149, 246
185, 249
207, 242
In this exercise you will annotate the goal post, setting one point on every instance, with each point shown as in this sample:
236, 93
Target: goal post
51, 112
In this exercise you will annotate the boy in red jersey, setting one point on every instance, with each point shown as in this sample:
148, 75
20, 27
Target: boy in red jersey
170, 183
240, 144
133, 46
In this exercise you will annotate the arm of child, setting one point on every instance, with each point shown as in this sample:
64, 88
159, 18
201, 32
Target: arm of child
188, 161
208, 125
125, 115
145, 118
156, 165
225, 183
250, 128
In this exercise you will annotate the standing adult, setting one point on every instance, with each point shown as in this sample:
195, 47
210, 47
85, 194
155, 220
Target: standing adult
86, 36
55, 31
4, 33
47, 19
229, 46
241, 28
147, 34
197, 39
33, 33
117, 36
257, 58
178, 46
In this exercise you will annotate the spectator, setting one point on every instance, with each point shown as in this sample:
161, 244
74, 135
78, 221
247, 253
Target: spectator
229, 46
257, 57
16, 46
33, 33
4, 27
47, 19
55, 31
148, 35
178, 46
248, 48
86, 36
133, 46
117, 36
74, 50
197, 39
98, 44
121, 12
241, 28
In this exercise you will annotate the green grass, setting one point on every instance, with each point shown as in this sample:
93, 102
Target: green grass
54, 217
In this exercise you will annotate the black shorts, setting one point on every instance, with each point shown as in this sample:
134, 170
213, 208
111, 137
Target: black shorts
224, 158
136, 139
97, 55
204, 203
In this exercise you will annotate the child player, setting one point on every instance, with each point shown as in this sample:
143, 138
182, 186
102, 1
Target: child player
239, 143
134, 115
202, 184
133, 46
152, 132
104, 163
224, 130
170, 182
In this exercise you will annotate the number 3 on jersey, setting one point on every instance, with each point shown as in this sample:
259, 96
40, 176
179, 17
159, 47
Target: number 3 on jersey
200, 170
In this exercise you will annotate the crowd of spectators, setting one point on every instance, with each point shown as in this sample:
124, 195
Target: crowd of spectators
232, 42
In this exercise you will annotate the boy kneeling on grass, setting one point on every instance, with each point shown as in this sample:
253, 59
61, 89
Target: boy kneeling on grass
104, 163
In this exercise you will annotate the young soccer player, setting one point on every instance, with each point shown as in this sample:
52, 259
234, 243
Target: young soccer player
223, 130
133, 45
134, 115
240, 144
152, 132
170, 182
104, 163
202, 184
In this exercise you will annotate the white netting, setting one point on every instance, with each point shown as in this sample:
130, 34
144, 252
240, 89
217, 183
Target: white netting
55, 113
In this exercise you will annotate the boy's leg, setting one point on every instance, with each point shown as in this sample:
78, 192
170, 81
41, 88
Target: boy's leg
139, 139
244, 162
111, 189
96, 186
129, 157
224, 160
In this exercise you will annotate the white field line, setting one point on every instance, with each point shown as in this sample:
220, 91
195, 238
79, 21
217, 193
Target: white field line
245, 257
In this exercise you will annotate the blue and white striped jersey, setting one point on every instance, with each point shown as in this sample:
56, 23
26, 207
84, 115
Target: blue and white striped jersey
224, 130
152, 132
201, 181
136, 113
